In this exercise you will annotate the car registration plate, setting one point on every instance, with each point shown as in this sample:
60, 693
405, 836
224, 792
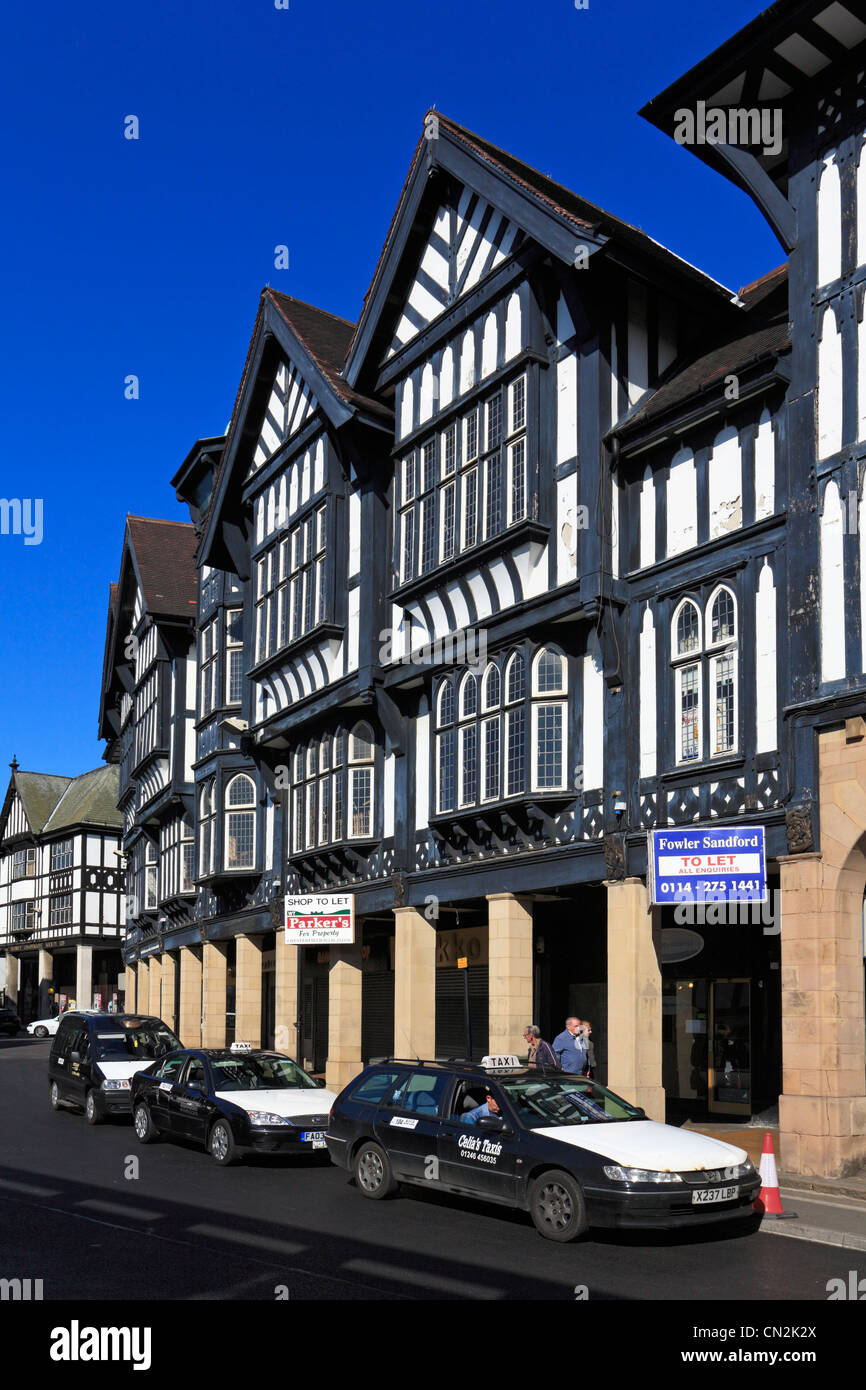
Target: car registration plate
316, 1137
713, 1194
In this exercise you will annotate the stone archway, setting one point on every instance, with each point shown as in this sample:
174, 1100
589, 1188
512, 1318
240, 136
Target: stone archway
822, 1109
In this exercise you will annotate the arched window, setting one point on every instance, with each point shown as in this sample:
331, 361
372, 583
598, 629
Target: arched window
207, 829
705, 664
515, 725
468, 697
361, 755
688, 630
240, 802
686, 644
548, 720
721, 628
467, 741
491, 689
445, 747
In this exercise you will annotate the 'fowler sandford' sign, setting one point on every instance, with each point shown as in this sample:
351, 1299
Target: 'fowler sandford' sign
723, 864
320, 919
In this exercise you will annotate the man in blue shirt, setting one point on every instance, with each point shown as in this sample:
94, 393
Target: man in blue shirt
570, 1047
489, 1107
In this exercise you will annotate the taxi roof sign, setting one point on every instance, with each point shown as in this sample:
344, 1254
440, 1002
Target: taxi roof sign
241, 1047
507, 1062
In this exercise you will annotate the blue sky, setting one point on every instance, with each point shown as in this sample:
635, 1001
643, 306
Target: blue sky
260, 127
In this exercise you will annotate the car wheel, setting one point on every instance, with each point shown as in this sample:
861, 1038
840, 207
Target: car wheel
221, 1145
557, 1207
92, 1112
145, 1130
372, 1172
54, 1095
40, 1032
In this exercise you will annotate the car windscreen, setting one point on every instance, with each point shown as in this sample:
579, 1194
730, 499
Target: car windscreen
544, 1102
257, 1074
132, 1042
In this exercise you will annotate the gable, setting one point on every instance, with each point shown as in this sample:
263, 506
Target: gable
290, 405
468, 240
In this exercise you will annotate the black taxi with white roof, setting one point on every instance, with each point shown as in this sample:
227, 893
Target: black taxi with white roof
230, 1099
564, 1148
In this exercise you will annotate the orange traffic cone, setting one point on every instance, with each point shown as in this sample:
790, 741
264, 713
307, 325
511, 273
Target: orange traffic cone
769, 1199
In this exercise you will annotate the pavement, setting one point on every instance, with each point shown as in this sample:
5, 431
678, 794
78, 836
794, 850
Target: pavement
830, 1211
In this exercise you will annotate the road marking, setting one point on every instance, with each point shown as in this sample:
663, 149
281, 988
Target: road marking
425, 1279
196, 1245
279, 1247
121, 1209
28, 1188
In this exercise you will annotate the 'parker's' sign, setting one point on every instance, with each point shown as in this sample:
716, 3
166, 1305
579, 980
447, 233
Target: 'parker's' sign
320, 919
718, 864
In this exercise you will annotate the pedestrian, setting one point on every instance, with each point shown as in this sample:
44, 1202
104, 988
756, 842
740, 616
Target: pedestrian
570, 1048
541, 1054
586, 1034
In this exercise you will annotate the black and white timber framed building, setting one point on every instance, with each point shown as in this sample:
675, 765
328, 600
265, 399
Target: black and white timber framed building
553, 546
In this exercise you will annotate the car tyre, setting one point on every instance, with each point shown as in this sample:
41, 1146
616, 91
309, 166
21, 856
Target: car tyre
92, 1112
145, 1130
40, 1032
557, 1207
221, 1145
54, 1096
371, 1169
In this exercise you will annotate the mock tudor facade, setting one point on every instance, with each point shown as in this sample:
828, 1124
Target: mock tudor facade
551, 548
61, 892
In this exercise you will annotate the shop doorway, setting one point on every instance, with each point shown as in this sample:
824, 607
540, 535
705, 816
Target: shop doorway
707, 1046
269, 997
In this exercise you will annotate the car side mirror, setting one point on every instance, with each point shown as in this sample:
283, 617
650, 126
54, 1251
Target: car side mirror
75, 1056
194, 1086
492, 1122
320, 1080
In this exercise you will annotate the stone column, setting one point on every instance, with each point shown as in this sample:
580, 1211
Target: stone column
344, 1016
248, 990
286, 1035
634, 998
414, 984
46, 975
169, 975
154, 987
83, 975
822, 1109
189, 1029
215, 970
510, 955
12, 979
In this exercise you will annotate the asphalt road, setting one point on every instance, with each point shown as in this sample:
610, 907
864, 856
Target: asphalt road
184, 1228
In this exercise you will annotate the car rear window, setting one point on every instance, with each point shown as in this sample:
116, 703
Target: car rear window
132, 1041
371, 1090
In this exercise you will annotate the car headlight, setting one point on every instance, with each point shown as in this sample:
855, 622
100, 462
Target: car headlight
115, 1086
617, 1174
264, 1117
742, 1170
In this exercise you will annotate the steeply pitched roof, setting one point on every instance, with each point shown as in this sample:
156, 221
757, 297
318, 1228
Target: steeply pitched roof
765, 333
39, 792
326, 337
164, 553
90, 799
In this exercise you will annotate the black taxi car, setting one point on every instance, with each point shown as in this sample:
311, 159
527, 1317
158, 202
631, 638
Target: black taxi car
94, 1057
567, 1150
229, 1099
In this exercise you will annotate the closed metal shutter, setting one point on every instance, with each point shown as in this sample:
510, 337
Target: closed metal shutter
377, 1015
450, 1024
